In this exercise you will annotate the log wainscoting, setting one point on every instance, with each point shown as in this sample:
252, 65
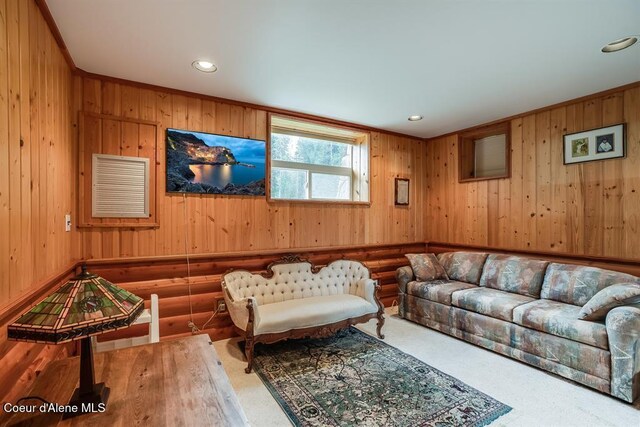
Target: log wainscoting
167, 277
21, 362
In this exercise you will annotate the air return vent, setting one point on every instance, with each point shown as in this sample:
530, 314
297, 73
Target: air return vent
120, 187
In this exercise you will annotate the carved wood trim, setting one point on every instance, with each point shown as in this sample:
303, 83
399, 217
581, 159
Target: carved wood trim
225, 289
314, 331
310, 332
288, 259
291, 259
315, 269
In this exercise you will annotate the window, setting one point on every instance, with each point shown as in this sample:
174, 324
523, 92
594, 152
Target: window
490, 156
485, 154
311, 161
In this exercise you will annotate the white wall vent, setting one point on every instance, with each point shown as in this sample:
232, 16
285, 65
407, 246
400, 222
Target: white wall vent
120, 187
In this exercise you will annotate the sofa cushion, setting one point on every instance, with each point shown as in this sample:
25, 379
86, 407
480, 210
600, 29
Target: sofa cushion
577, 284
426, 267
514, 274
491, 302
437, 290
463, 266
608, 299
560, 319
307, 312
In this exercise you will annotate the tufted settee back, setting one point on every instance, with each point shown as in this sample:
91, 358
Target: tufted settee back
296, 280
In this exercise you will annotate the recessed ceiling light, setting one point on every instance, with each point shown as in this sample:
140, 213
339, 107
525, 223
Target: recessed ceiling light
204, 66
415, 118
617, 45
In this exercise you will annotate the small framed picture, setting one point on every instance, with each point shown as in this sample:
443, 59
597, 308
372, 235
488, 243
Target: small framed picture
402, 192
596, 144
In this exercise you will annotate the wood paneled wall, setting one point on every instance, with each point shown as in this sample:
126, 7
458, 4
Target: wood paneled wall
37, 156
117, 136
589, 208
37, 175
216, 224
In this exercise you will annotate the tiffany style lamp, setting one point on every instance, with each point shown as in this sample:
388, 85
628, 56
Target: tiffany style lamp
85, 306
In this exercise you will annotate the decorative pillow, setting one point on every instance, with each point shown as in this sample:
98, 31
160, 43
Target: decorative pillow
426, 267
463, 266
608, 299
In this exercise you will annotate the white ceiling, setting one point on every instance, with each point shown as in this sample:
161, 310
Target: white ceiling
459, 63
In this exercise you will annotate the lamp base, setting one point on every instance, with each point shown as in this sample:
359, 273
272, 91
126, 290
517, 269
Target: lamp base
88, 402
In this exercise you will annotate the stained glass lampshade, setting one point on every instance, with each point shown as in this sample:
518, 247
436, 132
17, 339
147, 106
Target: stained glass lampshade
85, 306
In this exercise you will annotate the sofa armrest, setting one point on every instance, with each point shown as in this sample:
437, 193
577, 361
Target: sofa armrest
239, 312
623, 330
404, 275
366, 288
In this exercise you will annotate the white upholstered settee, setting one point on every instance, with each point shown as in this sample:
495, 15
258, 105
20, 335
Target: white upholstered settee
294, 299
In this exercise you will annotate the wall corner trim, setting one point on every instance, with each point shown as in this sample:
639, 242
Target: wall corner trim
55, 31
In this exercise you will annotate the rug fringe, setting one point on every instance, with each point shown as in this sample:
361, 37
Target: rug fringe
492, 417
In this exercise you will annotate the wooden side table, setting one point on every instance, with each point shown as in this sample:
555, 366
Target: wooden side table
173, 383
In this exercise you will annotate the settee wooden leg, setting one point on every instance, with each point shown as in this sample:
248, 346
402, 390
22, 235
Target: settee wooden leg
248, 351
380, 325
380, 313
249, 340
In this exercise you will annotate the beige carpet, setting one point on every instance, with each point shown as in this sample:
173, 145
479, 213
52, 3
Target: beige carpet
537, 398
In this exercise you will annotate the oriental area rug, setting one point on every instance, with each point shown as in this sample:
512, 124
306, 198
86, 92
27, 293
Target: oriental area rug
353, 379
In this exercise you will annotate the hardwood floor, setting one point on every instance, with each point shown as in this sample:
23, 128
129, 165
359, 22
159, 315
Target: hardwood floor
176, 382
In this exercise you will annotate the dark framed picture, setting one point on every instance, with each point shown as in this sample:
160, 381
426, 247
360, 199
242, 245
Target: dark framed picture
595, 144
206, 163
402, 192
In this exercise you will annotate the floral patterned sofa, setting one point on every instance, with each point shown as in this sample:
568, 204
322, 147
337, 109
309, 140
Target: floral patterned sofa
529, 309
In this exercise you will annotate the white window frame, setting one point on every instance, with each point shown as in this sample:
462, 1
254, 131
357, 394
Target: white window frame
358, 173
310, 169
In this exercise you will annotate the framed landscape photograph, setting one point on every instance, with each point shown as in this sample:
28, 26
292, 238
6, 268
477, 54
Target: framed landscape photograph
205, 163
596, 144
